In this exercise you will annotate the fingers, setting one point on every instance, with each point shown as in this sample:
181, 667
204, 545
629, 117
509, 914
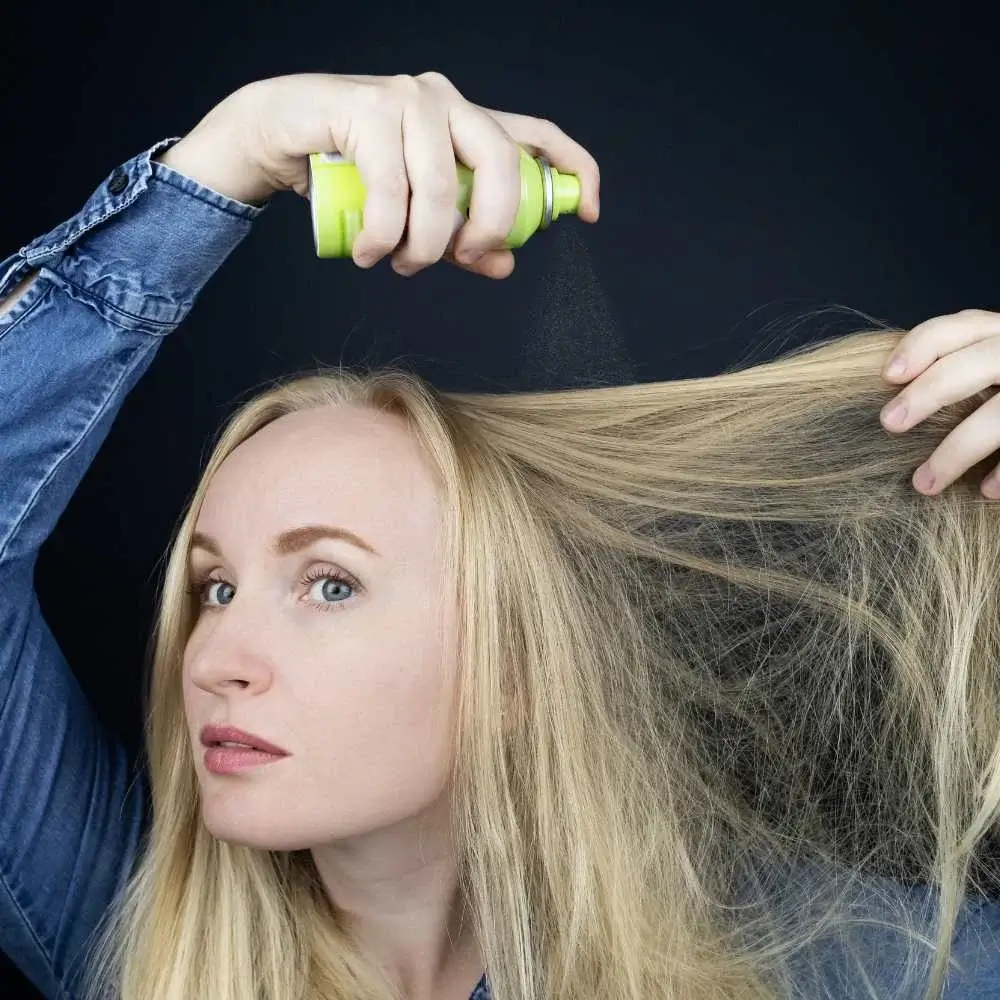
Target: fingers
946, 359
543, 137
939, 336
955, 376
973, 440
433, 180
407, 133
481, 144
379, 158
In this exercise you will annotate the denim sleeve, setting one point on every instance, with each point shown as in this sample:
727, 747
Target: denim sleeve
113, 280
867, 960
977, 951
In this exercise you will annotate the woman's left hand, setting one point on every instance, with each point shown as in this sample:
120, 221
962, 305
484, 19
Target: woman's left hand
947, 359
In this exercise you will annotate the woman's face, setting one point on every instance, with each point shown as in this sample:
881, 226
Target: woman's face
354, 678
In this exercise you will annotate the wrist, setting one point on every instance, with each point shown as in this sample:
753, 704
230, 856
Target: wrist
214, 153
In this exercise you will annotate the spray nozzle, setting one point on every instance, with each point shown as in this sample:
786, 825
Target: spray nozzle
565, 193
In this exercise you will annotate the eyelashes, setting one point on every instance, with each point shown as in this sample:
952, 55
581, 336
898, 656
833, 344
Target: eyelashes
199, 583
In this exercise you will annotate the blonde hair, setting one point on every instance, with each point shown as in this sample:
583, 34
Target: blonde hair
715, 650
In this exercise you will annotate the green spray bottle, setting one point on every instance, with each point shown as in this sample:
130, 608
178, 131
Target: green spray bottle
337, 199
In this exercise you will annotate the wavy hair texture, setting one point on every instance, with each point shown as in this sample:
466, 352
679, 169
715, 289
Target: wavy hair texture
716, 651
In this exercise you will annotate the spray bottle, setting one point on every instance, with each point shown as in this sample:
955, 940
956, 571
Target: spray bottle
337, 198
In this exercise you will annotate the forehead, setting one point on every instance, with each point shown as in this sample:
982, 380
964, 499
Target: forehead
356, 468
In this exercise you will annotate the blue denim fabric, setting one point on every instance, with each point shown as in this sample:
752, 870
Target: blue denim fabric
114, 280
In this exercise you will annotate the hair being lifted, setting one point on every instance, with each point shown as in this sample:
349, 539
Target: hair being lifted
721, 667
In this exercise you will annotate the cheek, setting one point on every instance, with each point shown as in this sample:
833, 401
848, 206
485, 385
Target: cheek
402, 677
384, 693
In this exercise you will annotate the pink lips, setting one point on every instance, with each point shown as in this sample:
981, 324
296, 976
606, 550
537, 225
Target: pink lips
211, 735
233, 759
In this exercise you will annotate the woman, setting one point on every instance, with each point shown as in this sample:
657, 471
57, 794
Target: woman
576, 687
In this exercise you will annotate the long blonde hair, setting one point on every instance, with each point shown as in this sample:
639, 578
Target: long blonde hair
716, 651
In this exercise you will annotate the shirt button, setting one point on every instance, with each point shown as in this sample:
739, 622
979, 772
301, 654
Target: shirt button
118, 182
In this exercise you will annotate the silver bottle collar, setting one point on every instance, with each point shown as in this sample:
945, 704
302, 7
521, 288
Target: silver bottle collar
548, 193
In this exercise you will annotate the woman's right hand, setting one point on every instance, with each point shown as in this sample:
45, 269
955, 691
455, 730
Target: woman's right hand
404, 133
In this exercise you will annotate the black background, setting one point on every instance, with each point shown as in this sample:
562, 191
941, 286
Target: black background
770, 173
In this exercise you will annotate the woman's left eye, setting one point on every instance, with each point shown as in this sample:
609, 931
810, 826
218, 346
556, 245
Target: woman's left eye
329, 594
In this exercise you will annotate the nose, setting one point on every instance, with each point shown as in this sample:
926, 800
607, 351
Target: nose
225, 654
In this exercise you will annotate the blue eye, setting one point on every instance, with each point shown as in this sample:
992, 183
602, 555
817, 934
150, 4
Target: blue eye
334, 580
221, 584
198, 585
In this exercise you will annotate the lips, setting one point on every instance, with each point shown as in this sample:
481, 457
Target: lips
213, 735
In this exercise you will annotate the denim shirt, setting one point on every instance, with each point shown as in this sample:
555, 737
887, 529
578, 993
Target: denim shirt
114, 280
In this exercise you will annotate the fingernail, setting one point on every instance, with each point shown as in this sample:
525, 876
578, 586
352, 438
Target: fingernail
991, 486
895, 412
470, 256
924, 479
896, 369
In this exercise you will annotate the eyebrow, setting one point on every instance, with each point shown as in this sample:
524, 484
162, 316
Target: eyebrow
291, 541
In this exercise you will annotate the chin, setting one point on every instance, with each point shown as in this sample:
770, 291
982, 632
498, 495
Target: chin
250, 824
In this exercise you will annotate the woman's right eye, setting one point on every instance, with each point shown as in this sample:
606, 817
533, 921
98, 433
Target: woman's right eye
199, 589
221, 584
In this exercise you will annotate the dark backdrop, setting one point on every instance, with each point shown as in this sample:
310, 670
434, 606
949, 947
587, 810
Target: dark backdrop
767, 170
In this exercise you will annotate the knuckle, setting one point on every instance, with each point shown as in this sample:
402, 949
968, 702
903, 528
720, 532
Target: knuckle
490, 228
389, 184
369, 96
547, 125
416, 257
406, 83
378, 244
542, 131
425, 245
981, 314
381, 235
440, 190
435, 79
494, 231
419, 259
